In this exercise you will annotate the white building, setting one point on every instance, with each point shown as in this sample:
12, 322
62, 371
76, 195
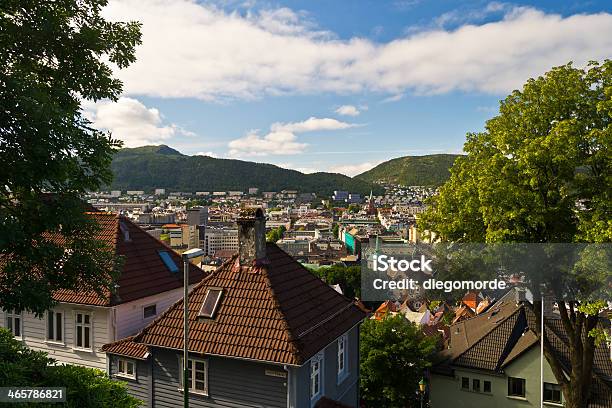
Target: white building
75, 330
216, 239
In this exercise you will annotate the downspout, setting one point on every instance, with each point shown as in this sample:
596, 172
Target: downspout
289, 385
114, 322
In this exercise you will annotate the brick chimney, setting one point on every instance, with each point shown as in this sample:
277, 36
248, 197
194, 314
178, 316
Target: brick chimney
251, 237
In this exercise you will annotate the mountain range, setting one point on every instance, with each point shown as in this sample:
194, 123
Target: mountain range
150, 167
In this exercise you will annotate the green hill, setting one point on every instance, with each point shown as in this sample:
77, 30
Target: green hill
149, 167
429, 170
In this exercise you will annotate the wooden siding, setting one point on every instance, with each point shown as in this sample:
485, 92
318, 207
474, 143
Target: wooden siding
346, 391
35, 334
138, 387
130, 318
231, 383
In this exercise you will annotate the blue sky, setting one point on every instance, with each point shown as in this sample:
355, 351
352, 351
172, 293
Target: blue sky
337, 85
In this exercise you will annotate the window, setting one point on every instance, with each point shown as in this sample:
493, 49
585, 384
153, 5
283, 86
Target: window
487, 386
82, 331
516, 387
13, 323
149, 311
552, 393
197, 376
476, 385
342, 356
211, 301
126, 368
465, 383
55, 326
168, 261
316, 376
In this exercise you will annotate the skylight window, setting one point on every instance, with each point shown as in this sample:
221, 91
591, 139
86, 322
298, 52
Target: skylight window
211, 302
168, 261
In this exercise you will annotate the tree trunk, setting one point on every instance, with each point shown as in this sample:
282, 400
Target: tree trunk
576, 389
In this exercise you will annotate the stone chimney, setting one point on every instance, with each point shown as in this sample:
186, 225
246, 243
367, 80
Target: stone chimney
520, 295
251, 237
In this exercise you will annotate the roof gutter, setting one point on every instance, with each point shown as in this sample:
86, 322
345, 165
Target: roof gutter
277, 363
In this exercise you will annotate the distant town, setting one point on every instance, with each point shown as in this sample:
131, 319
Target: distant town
314, 230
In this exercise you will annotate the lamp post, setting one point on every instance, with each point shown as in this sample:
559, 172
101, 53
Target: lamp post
187, 255
422, 385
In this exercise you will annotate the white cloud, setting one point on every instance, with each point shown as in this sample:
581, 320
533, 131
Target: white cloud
311, 124
348, 110
282, 138
301, 169
465, 15
353, 169
215, 55
272, 143
131, 121
209, 154
393, 98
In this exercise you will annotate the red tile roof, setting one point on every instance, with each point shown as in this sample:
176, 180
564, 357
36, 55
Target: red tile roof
128, 348
277, 312
143, 272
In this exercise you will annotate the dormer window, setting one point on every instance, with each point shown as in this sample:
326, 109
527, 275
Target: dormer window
211, 302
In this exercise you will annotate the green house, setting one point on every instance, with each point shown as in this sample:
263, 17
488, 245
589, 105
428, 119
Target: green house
494, 361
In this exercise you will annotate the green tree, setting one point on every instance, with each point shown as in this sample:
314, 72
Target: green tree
348, 277
53, 55
353, 208
275, 234
541, 173
85, 387
336, 230
394, 355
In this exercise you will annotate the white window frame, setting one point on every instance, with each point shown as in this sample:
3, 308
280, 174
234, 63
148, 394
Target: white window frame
62, 322
316, 372
10, 315
191, 389
342, 359
83, 325
149, 317
123, 371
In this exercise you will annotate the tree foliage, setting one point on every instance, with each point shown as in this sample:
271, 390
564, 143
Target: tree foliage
541, 173
275, 234
348, 277
394, 355
53, 55
85, 387
428, 170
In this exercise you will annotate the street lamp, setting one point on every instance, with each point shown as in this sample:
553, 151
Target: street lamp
187, 255
422, 385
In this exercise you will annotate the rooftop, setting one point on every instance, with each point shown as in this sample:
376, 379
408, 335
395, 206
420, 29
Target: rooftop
145, 271
275, 311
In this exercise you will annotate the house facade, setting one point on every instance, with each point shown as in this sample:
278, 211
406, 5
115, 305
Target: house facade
81, 323
264, 332
494, 361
